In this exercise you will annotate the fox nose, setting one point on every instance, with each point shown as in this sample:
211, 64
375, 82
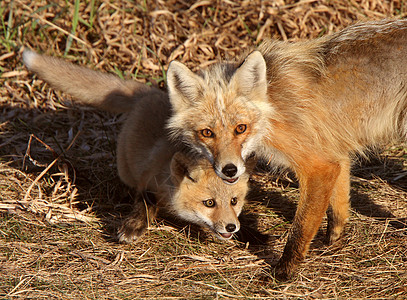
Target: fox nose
229, 170
230, 227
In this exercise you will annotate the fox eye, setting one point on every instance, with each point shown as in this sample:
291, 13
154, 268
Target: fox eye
233, 201
209, 203
207, 133
240, 128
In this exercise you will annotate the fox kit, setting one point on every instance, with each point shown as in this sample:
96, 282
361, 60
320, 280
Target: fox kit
308, 105
164, 175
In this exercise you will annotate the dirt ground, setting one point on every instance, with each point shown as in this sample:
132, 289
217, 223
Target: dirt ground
61, 199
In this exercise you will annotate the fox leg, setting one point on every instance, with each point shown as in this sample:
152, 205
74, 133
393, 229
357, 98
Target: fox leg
144, 212
317, 182
338, 213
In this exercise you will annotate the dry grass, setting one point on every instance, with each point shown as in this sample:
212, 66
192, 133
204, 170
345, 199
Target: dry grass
61, 200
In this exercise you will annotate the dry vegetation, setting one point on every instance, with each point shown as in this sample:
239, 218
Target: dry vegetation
61, 199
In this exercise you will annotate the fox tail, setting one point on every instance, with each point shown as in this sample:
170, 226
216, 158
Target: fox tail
89, 87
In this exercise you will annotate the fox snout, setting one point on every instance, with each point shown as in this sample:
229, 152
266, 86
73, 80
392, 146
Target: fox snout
230, 229
229, 170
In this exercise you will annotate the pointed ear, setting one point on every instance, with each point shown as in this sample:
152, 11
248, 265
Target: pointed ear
186, 167
251, 76
184, 86
179, 167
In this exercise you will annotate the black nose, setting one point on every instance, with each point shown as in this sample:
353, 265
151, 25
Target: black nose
229, 170
230, 227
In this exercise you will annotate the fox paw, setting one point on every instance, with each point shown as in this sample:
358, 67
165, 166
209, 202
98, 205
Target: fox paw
132, 229
282, 275
333, 236
283, 272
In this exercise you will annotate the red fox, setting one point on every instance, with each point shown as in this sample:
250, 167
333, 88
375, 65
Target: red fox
309, 105
164, 174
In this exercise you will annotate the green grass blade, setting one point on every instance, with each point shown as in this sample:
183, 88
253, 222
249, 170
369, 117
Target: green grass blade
75, 22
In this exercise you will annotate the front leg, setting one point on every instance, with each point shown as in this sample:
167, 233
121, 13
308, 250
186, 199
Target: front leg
338, 213
144, 211
317, 180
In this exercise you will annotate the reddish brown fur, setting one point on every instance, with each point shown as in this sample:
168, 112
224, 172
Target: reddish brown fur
325, 100
164, 175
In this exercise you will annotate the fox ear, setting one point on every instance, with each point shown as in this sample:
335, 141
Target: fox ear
251, 76
184, 166
184, 86
179, 167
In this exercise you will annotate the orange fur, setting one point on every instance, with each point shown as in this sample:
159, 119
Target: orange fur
164, 175
309, 105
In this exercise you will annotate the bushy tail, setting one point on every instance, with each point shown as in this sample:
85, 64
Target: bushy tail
101, 90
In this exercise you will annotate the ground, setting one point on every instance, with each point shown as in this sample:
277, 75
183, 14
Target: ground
61, 199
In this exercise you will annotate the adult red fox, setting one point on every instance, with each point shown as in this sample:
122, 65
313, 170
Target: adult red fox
307, 105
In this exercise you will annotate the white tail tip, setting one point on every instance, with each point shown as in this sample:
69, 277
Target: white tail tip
29, 57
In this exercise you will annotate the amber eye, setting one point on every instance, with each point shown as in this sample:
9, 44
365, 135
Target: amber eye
209, 203
240, 128
233, 201
207, 133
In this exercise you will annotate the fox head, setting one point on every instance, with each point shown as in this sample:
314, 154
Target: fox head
201, 197
221, 112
